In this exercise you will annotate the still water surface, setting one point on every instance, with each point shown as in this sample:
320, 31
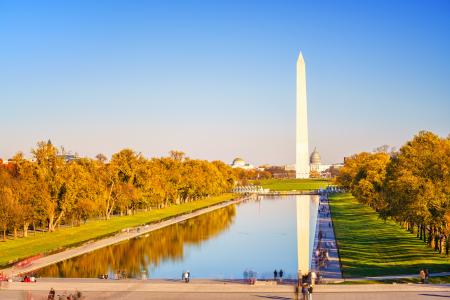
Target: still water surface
258, 235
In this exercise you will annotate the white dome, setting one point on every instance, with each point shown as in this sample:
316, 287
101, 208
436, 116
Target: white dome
315, 157
238, 162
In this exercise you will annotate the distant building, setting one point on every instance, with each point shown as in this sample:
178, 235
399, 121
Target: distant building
68, 157
315, 164
240, 163
281, 171
8, 164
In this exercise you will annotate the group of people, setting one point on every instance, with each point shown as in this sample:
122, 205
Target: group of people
278, 274
307, 290
186, 276
322, 257
3, 277
250, 276
75, 296
118, 275
29, 278
321, 254
307, 282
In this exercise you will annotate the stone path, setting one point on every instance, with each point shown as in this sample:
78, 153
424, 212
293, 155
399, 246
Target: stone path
332, 269
122, 236
203, 286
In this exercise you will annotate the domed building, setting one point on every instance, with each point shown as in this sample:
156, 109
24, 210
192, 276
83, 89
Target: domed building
240, 163
316, 164
314, 161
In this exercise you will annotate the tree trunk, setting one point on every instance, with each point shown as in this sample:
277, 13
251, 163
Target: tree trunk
433, 238
51, 226
58, 220
4, 233
34, 228
436, 239
15, 232
109, 203
446, 245
430, 236
424, 233
25, 229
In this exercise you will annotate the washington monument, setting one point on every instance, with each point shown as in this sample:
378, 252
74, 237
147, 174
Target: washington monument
302, 156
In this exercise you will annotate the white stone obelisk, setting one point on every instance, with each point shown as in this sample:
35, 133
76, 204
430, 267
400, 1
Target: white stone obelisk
302, 153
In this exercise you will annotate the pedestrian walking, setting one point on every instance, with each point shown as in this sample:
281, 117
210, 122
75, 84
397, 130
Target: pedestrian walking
250, 277
281, 275
310, 292
422, 275
275, 275
51, 294
304, 291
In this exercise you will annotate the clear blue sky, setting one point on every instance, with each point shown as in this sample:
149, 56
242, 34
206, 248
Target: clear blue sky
216, 79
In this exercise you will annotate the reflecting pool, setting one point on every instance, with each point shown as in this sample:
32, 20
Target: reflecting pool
259, 235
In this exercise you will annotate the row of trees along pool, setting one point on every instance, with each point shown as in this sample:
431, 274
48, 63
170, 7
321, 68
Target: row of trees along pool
49, 190
410, 186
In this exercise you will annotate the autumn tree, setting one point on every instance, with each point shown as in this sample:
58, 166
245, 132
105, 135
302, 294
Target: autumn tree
363, 174
49, 170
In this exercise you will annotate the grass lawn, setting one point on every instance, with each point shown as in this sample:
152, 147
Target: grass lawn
294, 184
435, 280
13, 250
369, 246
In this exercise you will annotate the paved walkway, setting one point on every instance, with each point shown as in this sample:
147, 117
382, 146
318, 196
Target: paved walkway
330, 270
131, 295
204, 286
214, 289
122, 236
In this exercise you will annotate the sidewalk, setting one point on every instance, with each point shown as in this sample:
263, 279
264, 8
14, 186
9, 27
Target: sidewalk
332, 269
202, 286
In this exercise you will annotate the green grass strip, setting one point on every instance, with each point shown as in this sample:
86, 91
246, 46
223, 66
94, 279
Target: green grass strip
64, 237
369, 246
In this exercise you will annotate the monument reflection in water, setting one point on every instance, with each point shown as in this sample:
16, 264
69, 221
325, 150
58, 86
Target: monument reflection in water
306, 228
259, 235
